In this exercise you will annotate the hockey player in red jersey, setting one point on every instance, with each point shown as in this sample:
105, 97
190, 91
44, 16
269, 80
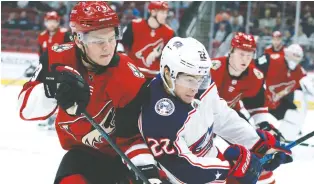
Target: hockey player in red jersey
143, 40
89, 74
283, 76
240, 83
275, 50
53, 35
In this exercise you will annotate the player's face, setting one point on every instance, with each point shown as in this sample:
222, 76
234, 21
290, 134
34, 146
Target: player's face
51, 25
186, 86
276, 41
100, 45
162, 16
241, 59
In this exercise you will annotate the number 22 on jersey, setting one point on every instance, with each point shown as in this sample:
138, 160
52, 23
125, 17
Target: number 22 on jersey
160, 147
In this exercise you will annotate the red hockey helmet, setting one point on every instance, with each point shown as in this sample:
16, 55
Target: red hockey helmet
53, 15
243, 41
92, 15
277, 34
158, 5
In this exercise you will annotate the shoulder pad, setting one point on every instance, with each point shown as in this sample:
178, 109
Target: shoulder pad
44, 32
137, 20
63, 30
168, 27
135, 70
268, 47
258, 73
62, 47
216, 64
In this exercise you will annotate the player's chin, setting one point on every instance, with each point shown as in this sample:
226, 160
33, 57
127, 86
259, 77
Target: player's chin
188, 99
104, 60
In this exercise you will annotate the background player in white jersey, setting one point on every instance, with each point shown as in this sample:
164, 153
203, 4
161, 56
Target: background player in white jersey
183, 111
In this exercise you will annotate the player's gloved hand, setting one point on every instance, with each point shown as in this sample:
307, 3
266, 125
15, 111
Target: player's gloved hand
267, 145
69, 88
154, 175
245, 166
271, 129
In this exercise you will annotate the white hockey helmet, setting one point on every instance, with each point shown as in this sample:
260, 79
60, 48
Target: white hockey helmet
186, 55
293, 55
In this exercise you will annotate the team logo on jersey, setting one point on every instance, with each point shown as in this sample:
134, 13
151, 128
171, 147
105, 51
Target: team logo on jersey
106, 119
135, 71
280, 90
164, 107
234, 101
150, 52
216, 64
275, 56
62, 47
201, 147
258, 73
177, 44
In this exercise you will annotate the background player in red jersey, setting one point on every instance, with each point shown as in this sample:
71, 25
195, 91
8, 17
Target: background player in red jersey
275, 50
53, 35
283, 76
240, 83
89, 74
143, 40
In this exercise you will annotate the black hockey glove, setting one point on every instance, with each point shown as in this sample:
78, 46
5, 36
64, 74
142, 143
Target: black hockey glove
154, 175
69, 88
271, 129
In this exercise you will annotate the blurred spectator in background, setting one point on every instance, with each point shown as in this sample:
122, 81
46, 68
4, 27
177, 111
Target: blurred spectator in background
22, 4
53, 35
23, 22
306, 13
277, 25
301, 38
135, 11
308, 62
37, 25
267, 21
62, 10
221, 34
173, 22
275, 50
236, 17
11, 23
222, 15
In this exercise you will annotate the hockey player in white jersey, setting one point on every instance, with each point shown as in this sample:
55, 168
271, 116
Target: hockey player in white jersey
182, 113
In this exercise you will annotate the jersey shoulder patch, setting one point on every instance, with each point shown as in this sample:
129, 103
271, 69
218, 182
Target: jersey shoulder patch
137, 20
164, 107
135, 71
62, 47
216, 64
63, 30
268, 47
43, 33
258, 73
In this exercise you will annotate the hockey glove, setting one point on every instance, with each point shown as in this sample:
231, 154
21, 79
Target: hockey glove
271, 129
245, 166
267, 145
69, 88
154, 175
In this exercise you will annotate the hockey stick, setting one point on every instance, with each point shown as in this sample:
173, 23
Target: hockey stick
115, 147
302, 144
290, 145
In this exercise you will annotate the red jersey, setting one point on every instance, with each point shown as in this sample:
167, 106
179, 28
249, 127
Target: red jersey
247, 87
274, 54
280, 80
114, 103
45, 40
144, 45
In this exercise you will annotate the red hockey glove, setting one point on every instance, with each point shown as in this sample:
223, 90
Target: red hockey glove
268, 144
245, 166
